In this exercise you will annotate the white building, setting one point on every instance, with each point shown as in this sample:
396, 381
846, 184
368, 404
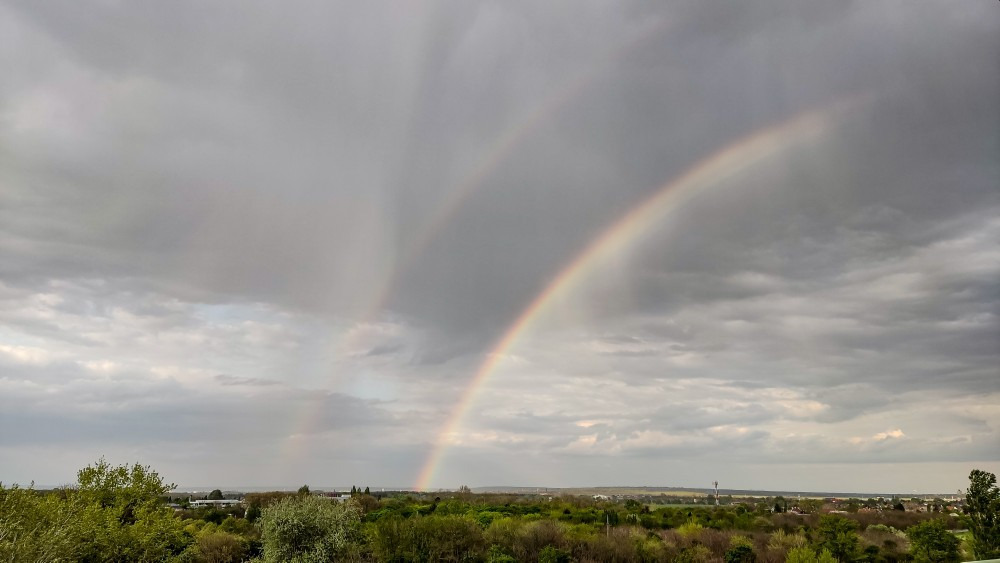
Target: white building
216, 503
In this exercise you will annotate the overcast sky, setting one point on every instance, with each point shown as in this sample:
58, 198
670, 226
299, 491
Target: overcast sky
258, 243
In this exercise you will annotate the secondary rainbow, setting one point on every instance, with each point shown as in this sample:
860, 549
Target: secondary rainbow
485, 167
499, 152
644, 217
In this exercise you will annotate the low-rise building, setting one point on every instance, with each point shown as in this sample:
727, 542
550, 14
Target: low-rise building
216, 503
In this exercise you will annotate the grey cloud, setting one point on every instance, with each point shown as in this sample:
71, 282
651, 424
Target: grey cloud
226, 196
233, 380
131, 409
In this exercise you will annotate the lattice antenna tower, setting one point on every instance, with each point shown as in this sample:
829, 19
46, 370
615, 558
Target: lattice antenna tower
716, 483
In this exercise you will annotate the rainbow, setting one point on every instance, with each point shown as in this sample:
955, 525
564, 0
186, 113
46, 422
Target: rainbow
644, 217
502, 148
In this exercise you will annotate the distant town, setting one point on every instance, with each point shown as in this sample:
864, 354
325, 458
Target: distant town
803, 502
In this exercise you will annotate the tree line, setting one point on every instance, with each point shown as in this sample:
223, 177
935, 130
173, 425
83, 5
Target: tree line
119, 514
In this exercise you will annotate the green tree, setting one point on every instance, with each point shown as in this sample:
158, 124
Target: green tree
392, 539
783, 541
253, 513
806, 555
740, 550
982, 505
837, 535
129, 488
780, 504
113, 514
449, 538
308, 529
426, 539
932, 542
552, 554
220, 547
215, 495
740, 554
304, 490
496, 554
38, 527
122, 517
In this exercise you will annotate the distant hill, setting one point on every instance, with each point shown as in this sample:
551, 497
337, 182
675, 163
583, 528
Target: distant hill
693, 491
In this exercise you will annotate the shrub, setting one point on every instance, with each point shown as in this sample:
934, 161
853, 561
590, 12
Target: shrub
933, 542
783, 541
504, 532
307, 528
694, 554
534, 537
496, 554
220, 547
740, 554
837, 535
690, 530
449, 538
36, 527
552, 554
393, 539
807, 555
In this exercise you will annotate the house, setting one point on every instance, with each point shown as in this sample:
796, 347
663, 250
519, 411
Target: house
223, 503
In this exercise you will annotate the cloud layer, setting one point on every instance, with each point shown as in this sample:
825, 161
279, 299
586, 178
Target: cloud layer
263, 245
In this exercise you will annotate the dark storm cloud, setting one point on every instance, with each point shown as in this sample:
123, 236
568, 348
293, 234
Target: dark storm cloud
224, 196
297, 251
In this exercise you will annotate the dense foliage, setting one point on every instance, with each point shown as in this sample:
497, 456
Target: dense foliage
931, 541
983, 503
113, 514
308, 529
120, 514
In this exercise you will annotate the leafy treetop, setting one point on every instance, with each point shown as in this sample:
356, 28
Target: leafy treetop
982, 504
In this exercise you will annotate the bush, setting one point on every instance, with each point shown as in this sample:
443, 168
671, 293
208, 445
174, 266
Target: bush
450, 538
430, 538
694, 554
807, 555
496, 554
552, 554
536, 536
307, 528
690, 530
122, 516
783, 541
622, 545
393, 539
36, 527
740, 554
933, 542
837, 535
220, 547
892, 543
504, 532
